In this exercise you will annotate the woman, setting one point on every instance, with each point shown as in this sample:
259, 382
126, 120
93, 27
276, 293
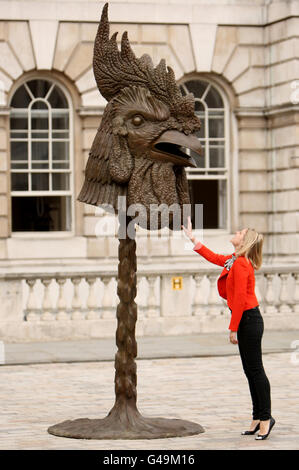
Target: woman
236, 284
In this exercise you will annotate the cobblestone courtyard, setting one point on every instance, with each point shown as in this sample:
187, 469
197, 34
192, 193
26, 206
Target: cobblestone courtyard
212, 391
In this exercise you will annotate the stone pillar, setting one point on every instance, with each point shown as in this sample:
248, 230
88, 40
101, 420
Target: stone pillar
4, 181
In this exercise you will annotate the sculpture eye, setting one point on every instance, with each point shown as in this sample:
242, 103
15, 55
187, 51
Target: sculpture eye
137, 120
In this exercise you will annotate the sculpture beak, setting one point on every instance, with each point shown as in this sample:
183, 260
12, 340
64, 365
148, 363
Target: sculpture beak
171, 145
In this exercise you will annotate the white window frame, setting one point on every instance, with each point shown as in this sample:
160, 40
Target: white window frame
193, 173
70, 192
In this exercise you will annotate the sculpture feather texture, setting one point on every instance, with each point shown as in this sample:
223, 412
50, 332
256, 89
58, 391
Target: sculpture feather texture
143, 103
136, 153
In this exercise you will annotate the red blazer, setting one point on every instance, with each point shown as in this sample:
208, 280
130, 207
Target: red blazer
237, 285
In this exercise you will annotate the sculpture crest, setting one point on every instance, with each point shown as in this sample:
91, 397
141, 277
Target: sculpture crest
138, 151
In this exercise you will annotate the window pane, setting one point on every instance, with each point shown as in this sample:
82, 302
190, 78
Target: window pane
41, 213
60, 181
39, 119
19, 121
39, 88
19, 181
40, 105
18, 135
40, 181
57, 99
40, 165
60, 135
60, 150
39, 150
183, 90
217, 143
199, 107
216, 128
217, 157
213, 99
216, 113
18, 150
61, 165
196, 87
205, 192
21, 98
19, 165
39, 134
60, 120
202, 133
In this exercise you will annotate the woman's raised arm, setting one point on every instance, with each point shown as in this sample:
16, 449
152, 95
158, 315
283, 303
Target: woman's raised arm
210, 255
202, 249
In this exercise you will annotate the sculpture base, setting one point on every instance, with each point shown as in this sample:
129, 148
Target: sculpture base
143, 428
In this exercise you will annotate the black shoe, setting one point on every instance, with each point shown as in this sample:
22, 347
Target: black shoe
264, 436
250, 433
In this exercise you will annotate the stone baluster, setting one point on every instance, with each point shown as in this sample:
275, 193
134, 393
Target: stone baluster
47, 310
114, 296
225, 311
107, 309
61, 303
214, 302
153, 306
284, 299
76, 301
198, 306
269, 297
31, 307
92, 313
295, 299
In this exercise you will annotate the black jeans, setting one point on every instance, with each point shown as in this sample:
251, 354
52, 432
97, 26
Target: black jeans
250, 332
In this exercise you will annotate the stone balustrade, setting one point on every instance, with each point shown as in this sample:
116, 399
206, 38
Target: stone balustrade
39, 306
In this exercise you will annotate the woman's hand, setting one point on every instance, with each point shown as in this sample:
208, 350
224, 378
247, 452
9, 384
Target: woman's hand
233, 337
188, 230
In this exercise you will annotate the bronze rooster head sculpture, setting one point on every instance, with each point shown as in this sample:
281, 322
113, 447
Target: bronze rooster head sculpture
138, 151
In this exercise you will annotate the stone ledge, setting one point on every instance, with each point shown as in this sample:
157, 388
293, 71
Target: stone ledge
145, 327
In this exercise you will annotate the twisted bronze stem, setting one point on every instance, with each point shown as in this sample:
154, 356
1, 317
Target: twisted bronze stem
126, 313
124, 420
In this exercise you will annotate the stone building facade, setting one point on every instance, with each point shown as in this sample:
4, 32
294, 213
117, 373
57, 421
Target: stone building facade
237, 57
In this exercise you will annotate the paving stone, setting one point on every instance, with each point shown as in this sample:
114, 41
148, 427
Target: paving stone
148, 347
211, 391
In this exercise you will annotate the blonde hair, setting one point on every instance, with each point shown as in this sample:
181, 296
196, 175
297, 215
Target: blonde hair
252, 247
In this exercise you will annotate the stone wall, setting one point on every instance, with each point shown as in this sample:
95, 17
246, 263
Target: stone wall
4, 186
283, 163
247, 49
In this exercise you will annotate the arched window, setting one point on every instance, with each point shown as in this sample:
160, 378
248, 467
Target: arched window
41, 163
208, 183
